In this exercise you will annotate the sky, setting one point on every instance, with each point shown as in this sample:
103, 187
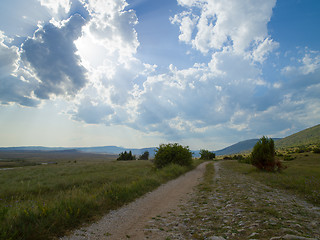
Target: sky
139, 73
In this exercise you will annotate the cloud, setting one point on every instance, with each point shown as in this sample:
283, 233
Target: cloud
92, 112
113, 27
51, 54
303, 71
8, 56
184, 102
220, 23
107, 48
12, 89
263, 48
189, 100
92, 62
14, 86
187, 23
56, 6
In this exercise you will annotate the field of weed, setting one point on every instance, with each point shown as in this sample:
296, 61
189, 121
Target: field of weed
302, 175
45, 201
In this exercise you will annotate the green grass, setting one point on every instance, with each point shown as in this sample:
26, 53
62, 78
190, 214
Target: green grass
301, 177
206, 184
309, 136
45, 201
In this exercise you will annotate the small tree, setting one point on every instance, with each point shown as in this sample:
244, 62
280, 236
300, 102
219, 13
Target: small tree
206, 155
144, 156
263, 155
125, 156
172, 153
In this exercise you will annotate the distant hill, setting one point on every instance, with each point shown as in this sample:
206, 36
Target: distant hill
118, 150
96, 150
304, 137
33, 148
239, 147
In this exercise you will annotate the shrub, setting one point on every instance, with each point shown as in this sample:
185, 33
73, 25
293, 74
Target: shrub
172, 153
288, 157
238, 157
125, 156
301, 149
246, 160
144, 156
316, 150
279, 154
206, 155
263, 155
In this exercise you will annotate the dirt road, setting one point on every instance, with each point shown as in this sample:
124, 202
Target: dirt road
131, 220
234, 207
238, 208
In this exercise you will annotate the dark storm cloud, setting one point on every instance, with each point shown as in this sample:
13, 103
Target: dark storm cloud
52, 55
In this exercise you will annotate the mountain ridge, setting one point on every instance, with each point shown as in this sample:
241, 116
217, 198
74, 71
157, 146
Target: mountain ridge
306, 136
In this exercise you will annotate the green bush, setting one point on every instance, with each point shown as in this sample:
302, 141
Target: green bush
172, 153
263, 155
207, 155
242, 159
238, 157
144, 156
126, 156
316, 150
288, 157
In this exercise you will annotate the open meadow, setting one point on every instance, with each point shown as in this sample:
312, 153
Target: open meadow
302, 175
46, 200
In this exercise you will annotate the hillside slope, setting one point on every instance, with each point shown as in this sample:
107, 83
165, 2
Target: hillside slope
304, 137
238, 147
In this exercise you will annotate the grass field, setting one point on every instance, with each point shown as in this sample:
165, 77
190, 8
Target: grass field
45, 201
302, 175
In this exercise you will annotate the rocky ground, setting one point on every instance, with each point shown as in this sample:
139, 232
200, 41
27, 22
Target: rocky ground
237, 207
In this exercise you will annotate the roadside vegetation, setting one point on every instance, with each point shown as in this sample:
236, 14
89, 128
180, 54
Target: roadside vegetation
207, 155
302, 174
45, 201
172, 153
263, 156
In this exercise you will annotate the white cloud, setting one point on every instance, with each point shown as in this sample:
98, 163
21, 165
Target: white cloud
232, 23
108, 47
93, 64
310, 63
303, 71
187, 23
8, 56
306, 64
15, 83
190, 100
56, 5
112, 27
263, 49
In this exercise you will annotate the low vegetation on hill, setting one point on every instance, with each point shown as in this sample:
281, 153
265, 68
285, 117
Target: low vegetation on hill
309, 136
